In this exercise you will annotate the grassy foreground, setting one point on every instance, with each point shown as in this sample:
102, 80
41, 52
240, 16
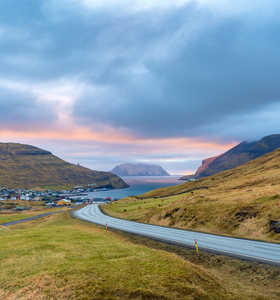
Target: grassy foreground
62, 258
238, 202
5, 218
7, 215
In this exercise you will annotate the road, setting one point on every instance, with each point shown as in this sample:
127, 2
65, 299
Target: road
30, 218
242, 248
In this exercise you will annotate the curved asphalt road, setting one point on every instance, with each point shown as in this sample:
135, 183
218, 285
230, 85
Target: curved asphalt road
241, 248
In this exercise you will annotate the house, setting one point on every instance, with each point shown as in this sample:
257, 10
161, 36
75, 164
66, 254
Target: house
64, 202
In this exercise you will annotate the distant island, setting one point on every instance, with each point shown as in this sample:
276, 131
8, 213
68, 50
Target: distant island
26, 166
131, 169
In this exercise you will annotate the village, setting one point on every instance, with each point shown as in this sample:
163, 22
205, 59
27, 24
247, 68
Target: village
23, 199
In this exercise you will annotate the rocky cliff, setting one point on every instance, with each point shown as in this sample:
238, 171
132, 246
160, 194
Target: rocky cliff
239, 155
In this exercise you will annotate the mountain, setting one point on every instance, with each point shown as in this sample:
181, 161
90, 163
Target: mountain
25, 166
243, 201
240, 154
205, 163
139, 170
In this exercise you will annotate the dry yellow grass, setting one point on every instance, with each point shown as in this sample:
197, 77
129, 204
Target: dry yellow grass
239, 202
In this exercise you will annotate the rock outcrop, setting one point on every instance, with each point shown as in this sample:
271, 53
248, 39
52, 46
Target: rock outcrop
205, 163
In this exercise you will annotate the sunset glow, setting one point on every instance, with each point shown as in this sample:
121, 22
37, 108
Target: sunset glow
170, 88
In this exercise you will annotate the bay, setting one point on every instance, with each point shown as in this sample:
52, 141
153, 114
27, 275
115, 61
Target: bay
138, 185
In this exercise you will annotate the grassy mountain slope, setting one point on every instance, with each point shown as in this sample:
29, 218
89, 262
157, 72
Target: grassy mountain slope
238, 202
241, 154
26, 166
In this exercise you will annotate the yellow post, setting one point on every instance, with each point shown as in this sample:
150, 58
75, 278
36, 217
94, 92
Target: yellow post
196, 246
106, 227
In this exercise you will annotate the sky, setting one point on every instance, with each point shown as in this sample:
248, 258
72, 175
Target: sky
104, 82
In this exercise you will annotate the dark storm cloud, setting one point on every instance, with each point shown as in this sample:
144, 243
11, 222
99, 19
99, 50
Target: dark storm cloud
180, 72
22, 111
198, 74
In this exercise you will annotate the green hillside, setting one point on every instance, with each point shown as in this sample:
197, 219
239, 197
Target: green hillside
238, 202
25, 166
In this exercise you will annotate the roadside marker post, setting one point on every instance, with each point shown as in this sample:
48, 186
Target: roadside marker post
106, 227
196, 246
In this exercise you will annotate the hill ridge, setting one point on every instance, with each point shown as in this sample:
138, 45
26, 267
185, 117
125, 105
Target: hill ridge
238, 155
241, 202
27, 166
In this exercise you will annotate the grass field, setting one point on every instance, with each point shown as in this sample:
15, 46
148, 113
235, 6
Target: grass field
37, 208
239, 202
5, 218
62, 258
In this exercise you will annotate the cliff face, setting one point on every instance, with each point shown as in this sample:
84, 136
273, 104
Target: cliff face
239, 155
205, 163
25, 166
139, 170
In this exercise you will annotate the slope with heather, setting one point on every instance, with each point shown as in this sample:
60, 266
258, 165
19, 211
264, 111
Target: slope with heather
239, 202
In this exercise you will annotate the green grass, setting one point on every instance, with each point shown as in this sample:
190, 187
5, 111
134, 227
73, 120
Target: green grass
66, 259
37, 208
62, 258
5, 218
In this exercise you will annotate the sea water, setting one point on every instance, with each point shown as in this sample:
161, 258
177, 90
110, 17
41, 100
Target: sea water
138, 185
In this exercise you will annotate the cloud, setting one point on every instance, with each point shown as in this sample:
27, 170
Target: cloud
200, 71
124, 6
23, 111
141, 71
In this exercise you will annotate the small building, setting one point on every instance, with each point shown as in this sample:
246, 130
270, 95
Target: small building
64, 202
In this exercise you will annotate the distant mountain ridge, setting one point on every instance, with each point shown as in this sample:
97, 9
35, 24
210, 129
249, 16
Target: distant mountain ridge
131, 169
25, 166
238, 155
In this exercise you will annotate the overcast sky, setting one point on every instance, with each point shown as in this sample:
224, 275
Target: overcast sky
102, 82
